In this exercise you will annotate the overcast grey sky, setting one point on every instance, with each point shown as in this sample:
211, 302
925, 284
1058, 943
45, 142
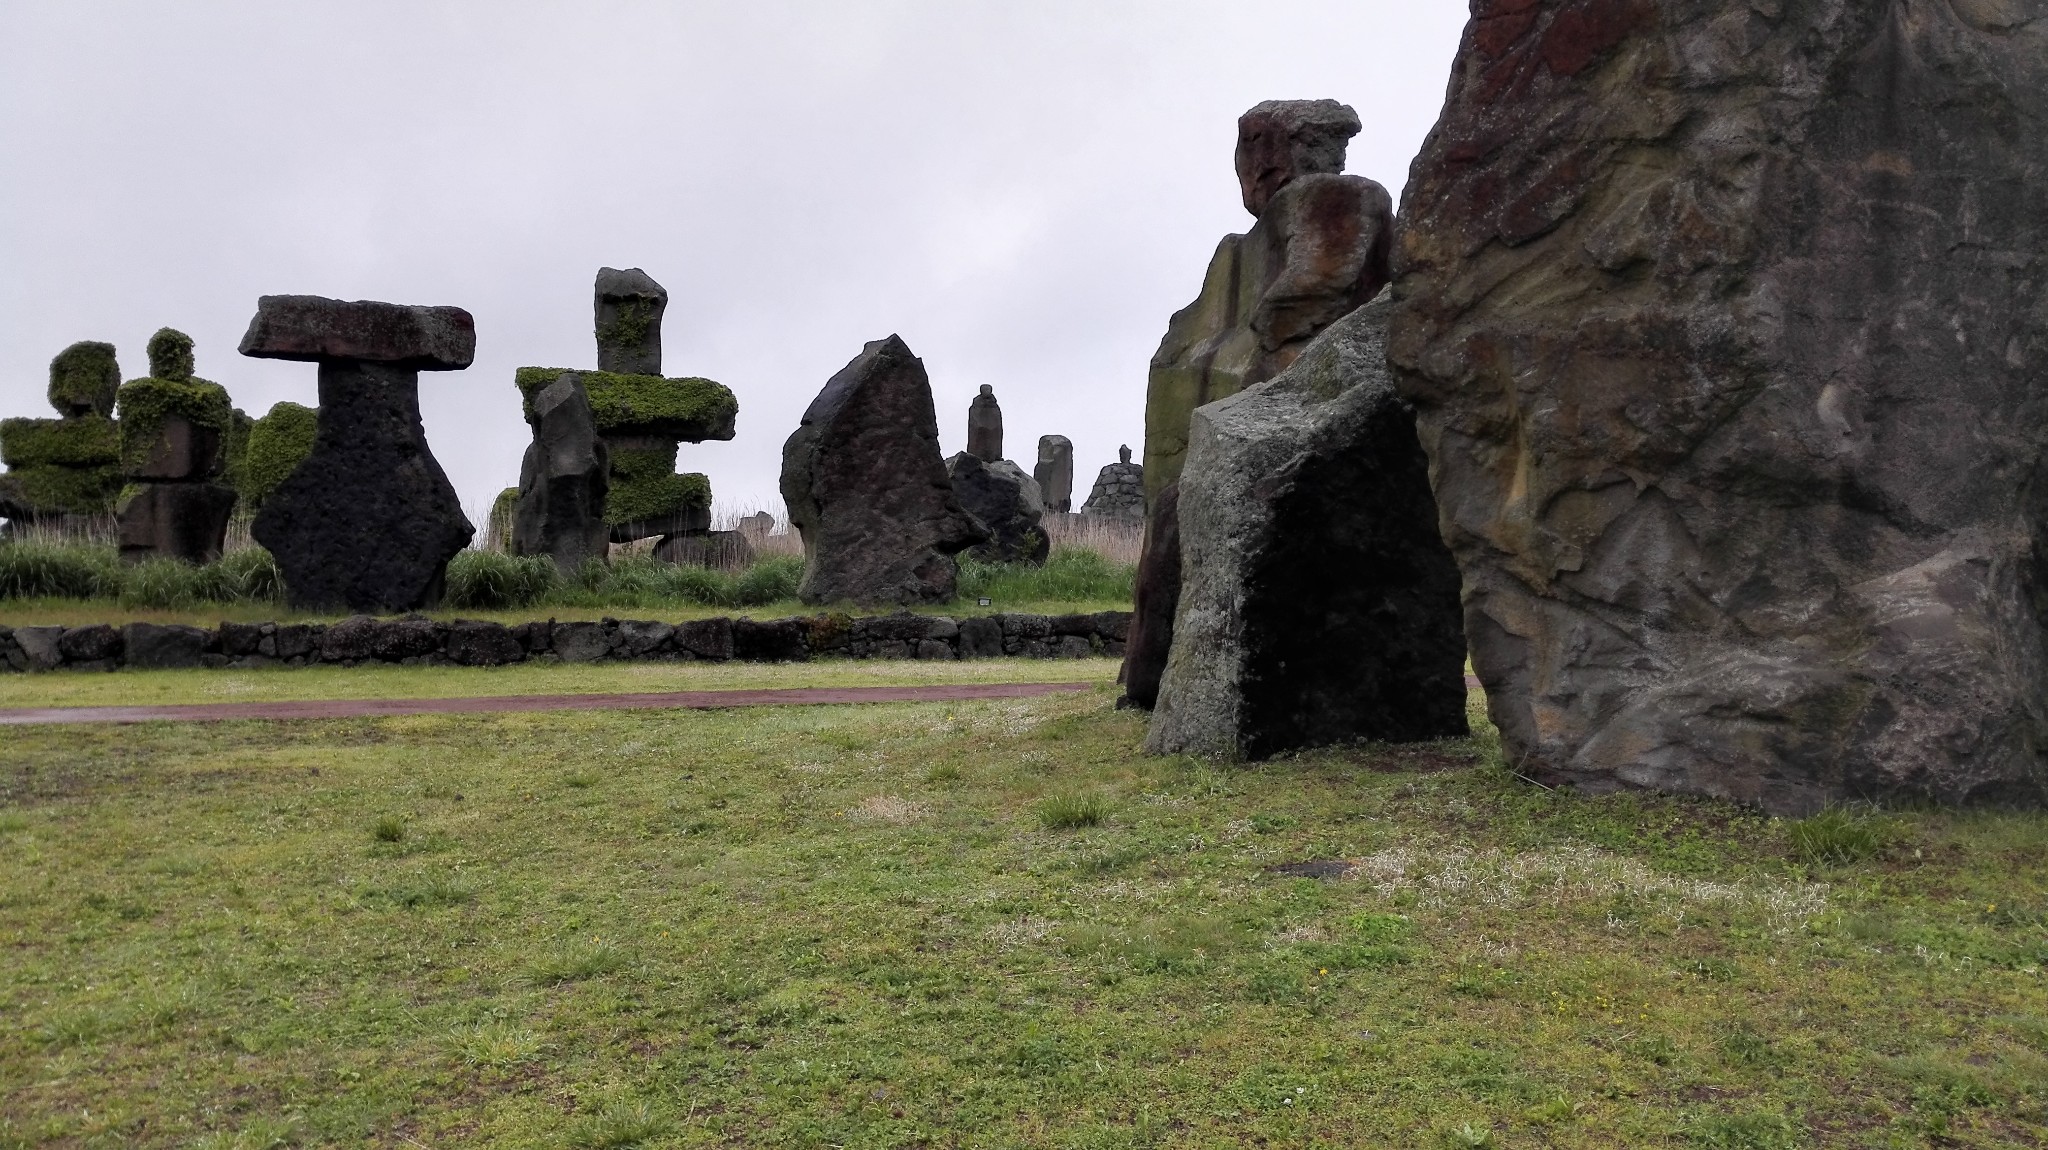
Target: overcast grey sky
1024, 191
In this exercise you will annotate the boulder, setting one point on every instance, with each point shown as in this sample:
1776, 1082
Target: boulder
41, 646
1726, 328
1055, 472
368, 521
981, 638
581, 642
629, 306
773, 641
480, 643
985, 426
1119, 491
1007, 504
866, 487
187, 521
1318, 604
643, 639
705, 638
563, 481
153, 646
94, 643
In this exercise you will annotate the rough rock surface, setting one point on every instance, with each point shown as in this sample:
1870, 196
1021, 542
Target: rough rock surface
368, 521
629, 307
1155, 596
865, 484
1727, 327
1318, 603
1055, 472
1007, 504
1119, 490
985, 426
173, 431
563, 481
186, 521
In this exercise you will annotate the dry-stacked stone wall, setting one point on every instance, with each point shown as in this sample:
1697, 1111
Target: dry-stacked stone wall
417, 641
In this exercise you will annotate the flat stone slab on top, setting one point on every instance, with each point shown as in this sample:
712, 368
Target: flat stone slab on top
314, 328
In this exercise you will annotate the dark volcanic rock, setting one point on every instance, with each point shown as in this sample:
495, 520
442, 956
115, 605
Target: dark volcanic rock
1727, 327
774, 641
581, 642
153, 646
479, 643
985, 426
563, 480
705, 638
186, 521
1119, 491
1007, 504
1155, 597
92, 644
1055, 472
629, 306
1318, 603
317, 329
368, 521
866, 486
981, 638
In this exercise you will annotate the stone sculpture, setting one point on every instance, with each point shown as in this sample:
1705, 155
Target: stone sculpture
1008, 505
563, 480
985, 426
278, 443
1055, 472
367, 521
867, 489
1318, 604
66, 470
1726, 330
174, 429
1317, 252
642, 416
1119, 491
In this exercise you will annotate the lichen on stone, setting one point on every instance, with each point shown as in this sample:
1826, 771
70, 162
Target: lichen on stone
278, 443
84, 379
83, 441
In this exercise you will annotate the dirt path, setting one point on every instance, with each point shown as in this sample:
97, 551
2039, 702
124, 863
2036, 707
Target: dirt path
380, 708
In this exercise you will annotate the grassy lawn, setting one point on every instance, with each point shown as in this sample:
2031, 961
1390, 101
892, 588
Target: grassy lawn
990, 924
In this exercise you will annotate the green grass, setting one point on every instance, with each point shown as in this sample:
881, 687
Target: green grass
853, 926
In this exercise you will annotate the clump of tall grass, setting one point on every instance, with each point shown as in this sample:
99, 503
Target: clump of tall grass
34, 568
1838, 836
41, 569
1070, 575
493, 581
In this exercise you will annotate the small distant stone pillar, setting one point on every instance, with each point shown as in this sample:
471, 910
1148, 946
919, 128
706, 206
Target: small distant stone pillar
174, 430
369, 521
1055, 472
629, 308
985, 426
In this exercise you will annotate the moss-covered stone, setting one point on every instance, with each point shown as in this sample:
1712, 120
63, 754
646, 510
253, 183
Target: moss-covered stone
690, 409
633, 462
53, 490
278, 443
84, 379
503, 505
146, 403
235, 451
86, 441
170, 355
655, 496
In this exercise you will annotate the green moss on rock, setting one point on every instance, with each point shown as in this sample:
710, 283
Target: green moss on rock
170, 355
236, 448
655, 496
278, 443
146, 403
67, 490
84, 379
634, 464
86, 441
688, 409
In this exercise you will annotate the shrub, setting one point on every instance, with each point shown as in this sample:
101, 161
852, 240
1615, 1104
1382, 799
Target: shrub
1070, 574
488, 580
1837, 836
35, 570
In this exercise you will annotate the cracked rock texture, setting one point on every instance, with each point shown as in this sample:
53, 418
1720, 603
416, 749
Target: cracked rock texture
1727, 327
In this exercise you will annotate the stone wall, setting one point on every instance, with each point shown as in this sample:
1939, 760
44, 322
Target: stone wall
417, 641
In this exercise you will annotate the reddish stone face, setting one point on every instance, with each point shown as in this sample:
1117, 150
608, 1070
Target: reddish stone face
1280, 140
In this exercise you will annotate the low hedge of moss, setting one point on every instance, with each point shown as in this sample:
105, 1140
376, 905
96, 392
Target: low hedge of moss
688, 409
654, 496
84, 441
146, 403
278, 443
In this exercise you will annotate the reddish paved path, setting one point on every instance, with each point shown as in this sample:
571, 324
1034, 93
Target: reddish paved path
379, 708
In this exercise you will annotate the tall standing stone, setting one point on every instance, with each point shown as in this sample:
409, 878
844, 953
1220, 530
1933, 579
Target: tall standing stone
1318, 604
1317, 252
629, 306
174, 433
1055, 472
368, 521
1728, 330
868, 490
985, 426
563, 480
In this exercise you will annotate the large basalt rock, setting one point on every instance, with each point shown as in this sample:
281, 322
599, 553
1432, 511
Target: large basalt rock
866, 487
1727, 326
368, 521
1318, 605
186, 521
1055, 472
563, 481
1007, 504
